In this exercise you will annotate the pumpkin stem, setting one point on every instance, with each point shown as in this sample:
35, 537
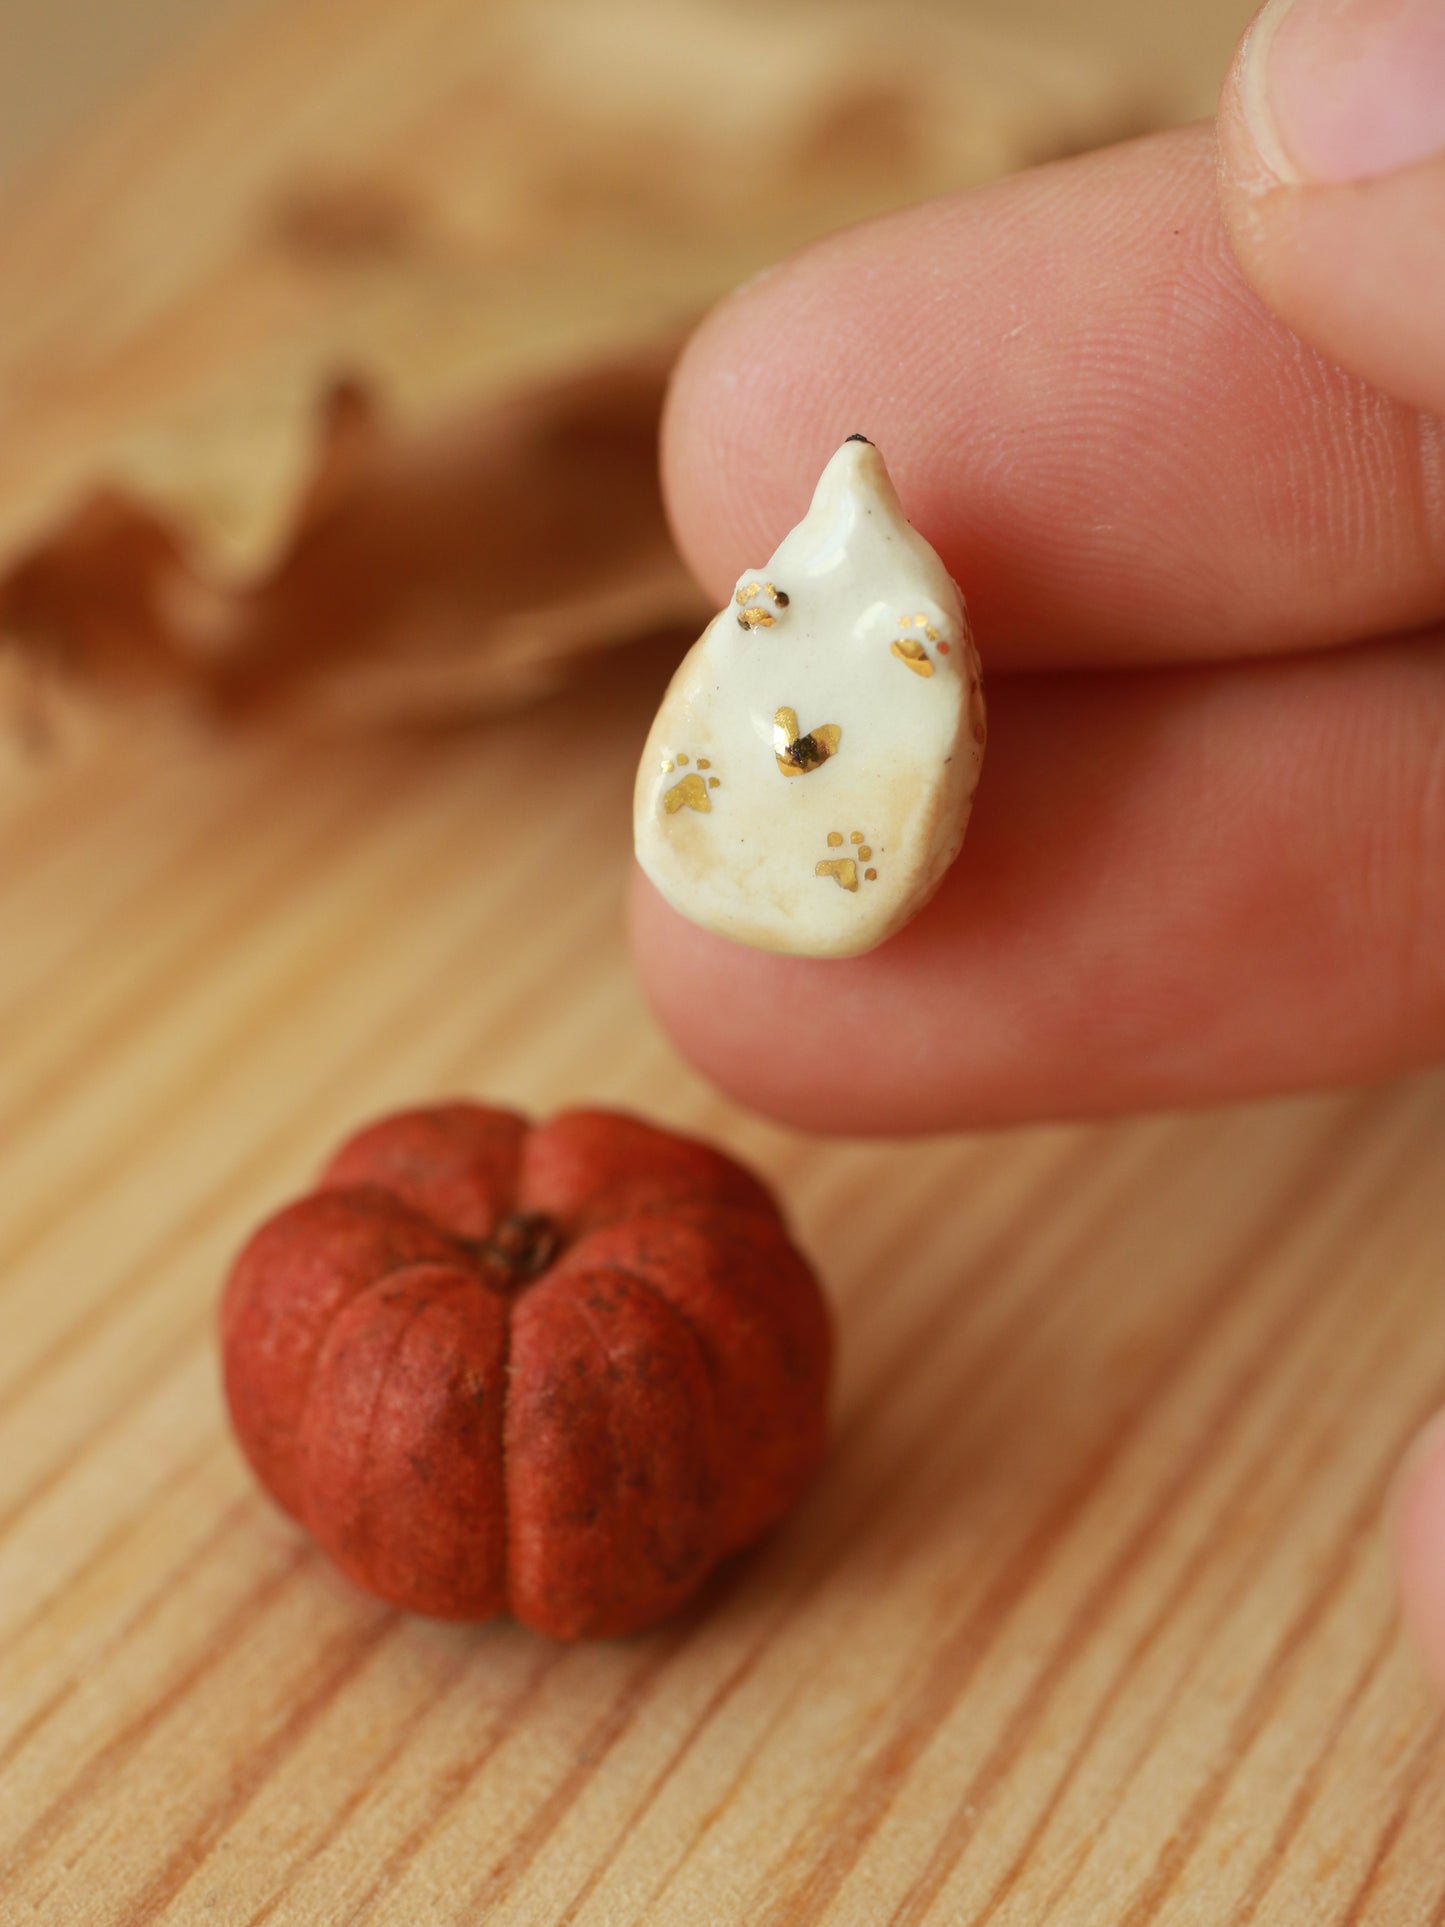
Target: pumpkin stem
523, 1245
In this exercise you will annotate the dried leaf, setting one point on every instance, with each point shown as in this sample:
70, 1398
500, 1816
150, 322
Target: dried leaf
298, 417
428, 575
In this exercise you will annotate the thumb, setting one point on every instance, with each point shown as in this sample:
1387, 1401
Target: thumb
1332, 178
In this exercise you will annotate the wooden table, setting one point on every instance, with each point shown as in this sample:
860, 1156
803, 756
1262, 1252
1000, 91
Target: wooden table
1088, 1620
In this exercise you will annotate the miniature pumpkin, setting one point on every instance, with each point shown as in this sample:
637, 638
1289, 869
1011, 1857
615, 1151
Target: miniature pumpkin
557, 1370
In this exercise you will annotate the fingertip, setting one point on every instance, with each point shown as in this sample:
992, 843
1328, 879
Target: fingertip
1119, 454
771, 382
1419, 1544
727, 1007
1354, 267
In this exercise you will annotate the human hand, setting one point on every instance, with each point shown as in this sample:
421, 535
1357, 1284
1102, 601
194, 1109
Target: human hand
1174, 415
1207, 858
1357, 267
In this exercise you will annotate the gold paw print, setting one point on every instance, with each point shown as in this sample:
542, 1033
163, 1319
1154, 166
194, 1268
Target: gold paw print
911, 652
691, 791
844, 869
751, 613
800, 755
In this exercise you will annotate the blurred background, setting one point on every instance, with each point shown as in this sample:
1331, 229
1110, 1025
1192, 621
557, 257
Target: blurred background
289, 291
84, 54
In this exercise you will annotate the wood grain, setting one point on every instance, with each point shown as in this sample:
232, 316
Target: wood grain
1088, 1620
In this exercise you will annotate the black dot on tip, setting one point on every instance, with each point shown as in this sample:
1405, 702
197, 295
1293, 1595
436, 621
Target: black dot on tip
860, 438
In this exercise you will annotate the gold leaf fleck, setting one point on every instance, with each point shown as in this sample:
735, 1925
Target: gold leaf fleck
799, 755
911, 653
690, 793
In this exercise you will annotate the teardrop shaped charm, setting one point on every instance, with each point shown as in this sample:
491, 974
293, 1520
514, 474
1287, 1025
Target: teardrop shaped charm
809, 775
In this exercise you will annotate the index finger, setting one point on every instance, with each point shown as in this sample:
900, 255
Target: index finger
1119, 453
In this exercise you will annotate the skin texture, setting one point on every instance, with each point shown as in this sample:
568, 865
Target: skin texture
1207, 857
1357, 266
1172, 415
577, 1435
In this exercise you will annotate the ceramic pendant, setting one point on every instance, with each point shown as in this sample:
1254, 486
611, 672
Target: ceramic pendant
809, 775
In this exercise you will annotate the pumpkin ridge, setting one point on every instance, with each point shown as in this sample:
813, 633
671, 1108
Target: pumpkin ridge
369, 1455
720, 1219
447, 1154
579, 1299
711, 1370
470, 1253
659, 1296
392, 1271
513, 1299
705, 1217
368, 1191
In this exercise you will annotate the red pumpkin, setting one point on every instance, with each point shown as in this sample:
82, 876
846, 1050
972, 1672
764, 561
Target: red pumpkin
556, 1370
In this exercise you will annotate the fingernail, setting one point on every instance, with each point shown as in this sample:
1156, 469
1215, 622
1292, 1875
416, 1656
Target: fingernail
1342, 90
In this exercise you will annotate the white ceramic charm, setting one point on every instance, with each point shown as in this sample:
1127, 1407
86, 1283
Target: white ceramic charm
809, 775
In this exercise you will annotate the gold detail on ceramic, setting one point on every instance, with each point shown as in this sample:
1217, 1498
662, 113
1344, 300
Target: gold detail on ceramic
912, 654
689, 794
667, 766
750, 614
919, 622
800, 755
844, 869
704, 762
